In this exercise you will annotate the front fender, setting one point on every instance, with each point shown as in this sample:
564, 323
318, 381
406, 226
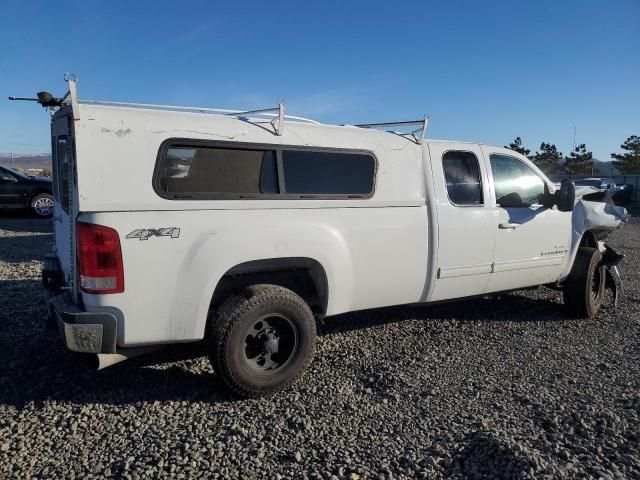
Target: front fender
600, 218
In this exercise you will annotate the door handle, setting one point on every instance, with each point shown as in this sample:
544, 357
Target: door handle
507, 225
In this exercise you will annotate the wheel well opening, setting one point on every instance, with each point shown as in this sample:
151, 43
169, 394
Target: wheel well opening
304, 276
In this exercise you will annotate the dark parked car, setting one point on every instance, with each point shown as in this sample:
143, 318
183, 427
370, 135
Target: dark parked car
623, 195
20, 191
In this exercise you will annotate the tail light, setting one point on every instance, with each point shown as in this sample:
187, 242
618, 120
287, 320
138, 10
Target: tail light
99, 259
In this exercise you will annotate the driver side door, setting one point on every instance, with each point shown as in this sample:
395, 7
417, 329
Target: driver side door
531, 241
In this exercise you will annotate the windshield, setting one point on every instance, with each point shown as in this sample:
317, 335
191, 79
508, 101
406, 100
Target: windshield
15, 172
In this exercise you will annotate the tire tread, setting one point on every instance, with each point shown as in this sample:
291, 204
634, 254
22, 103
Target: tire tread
231, 311
577, 286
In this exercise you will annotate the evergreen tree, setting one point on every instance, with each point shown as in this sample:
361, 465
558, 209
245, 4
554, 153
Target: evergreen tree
628, 162
579, 161
516, 146
548, 159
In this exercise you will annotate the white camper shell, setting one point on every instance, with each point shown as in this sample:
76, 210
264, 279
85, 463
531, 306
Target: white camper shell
179, 224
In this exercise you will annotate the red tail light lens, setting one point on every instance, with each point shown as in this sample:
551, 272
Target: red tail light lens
99, 259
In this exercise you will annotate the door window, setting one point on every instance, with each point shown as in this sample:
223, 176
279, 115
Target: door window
6, 176
462, 174
515, 183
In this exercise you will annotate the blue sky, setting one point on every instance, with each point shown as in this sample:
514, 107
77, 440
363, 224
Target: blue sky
484, 71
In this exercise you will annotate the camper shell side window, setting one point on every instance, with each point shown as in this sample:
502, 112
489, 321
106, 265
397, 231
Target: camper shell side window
205, 170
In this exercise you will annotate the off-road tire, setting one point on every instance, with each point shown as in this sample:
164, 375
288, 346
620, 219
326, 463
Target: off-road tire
226, 340
38, 202
582, 295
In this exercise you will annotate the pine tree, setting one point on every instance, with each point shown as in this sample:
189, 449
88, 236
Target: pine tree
579, 161
548, 159
628, 162
516, 146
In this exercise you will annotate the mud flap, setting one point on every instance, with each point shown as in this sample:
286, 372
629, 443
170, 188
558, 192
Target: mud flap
613, 282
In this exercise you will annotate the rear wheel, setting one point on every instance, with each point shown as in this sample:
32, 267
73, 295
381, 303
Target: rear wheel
262, 340
42, 205
584, 287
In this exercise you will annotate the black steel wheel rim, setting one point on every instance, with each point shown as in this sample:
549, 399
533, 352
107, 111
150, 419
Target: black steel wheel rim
270, 343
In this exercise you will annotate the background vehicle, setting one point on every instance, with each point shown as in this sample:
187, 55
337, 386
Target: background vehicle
600, 183
273, 221
19, 191
621, 194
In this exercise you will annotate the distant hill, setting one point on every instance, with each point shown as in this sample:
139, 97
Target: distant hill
24, 162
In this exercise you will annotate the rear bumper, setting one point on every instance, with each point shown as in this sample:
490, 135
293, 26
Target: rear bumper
82, 331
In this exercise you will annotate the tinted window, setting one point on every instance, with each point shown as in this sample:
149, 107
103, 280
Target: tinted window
515, 183
62, 167
6, 176
462, 174
328, 173
219, 170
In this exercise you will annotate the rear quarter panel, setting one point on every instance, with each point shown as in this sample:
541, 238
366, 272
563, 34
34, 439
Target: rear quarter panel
372, 257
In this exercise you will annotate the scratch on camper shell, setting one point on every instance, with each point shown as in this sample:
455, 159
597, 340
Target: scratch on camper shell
123, 132
228, 137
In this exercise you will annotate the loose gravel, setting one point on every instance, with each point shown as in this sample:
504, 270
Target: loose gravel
506, 387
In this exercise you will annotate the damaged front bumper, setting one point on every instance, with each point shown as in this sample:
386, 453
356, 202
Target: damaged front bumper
595, 213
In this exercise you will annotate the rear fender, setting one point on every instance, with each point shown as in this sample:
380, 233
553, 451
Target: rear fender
218, 253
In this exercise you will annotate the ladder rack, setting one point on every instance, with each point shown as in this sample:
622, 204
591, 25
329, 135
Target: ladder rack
418, 134
276, 115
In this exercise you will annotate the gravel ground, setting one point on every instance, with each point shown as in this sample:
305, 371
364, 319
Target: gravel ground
499, 388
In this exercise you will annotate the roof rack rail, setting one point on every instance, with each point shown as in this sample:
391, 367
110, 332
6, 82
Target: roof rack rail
277, 114
418, 134
267, 111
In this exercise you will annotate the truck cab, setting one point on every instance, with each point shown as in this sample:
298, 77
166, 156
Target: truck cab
494, 232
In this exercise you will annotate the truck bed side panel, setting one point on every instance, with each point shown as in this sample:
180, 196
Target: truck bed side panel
372, 257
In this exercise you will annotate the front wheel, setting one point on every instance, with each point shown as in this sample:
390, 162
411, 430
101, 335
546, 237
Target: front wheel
584, 287
262, 340
42, 205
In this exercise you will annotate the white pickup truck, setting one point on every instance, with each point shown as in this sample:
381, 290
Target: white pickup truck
179, 224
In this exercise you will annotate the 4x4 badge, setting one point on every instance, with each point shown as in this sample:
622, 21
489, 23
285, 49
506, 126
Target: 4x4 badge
145, 233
